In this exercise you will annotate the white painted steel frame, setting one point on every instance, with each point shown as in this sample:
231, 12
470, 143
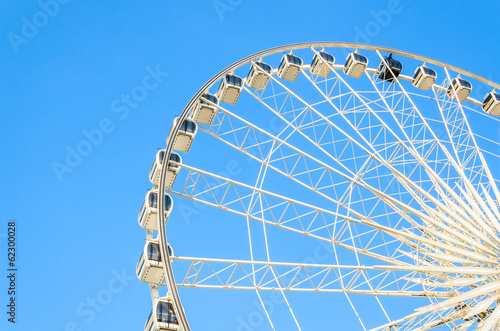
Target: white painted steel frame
161, 221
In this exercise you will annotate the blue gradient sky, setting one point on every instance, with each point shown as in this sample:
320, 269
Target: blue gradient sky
77, 228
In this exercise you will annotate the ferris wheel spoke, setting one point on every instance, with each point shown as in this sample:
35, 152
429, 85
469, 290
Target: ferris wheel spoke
490, 322
433, 141
460, 142
415, 127
307, 219
259, 182
291, 162
479, 176
288, 160
467, 220
423, 205
492, 205
300, 154
462, 315
285, 213
368, 281
487, 220
474, 294
427, 321
419, 139
464, 142
439, 231
441, 319
482, 222
349, 140
302, 277
346, 192
381, 103
253, 268
411, 175
365, 165
493, 225
329, 124
308, 106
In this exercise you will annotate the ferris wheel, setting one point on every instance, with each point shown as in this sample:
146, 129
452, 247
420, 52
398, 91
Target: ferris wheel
387, 158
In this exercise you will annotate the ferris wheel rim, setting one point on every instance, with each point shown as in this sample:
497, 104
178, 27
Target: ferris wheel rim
162, 236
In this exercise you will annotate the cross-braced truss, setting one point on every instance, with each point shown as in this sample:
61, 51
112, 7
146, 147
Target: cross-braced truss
390, 174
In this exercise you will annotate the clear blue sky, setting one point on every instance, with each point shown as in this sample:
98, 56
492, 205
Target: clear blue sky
78, 230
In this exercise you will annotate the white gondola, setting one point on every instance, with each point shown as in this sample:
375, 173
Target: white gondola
163, 317
321, 63
172, 171
491, 104
389, 69
461, 87
230, 89
424, 78
203, 112
258, 79
148, 216
289, 67
355, 65
150, 266
185, 136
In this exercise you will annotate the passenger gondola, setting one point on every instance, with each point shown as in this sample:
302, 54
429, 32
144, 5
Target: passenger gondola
290, 67
491, 103
321, 63
424, 78
258, 79
150, 266
389, 69
461, 87
148, 216
203, 112
355, 65
185, 136
172, 171
163, 317
230, 89
482, 316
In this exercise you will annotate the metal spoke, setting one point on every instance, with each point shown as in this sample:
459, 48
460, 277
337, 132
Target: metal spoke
391, 177
387, 280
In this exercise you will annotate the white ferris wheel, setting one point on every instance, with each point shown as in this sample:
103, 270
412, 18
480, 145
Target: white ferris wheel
387, 158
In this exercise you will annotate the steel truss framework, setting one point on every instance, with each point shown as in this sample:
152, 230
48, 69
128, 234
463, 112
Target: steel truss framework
401, 180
